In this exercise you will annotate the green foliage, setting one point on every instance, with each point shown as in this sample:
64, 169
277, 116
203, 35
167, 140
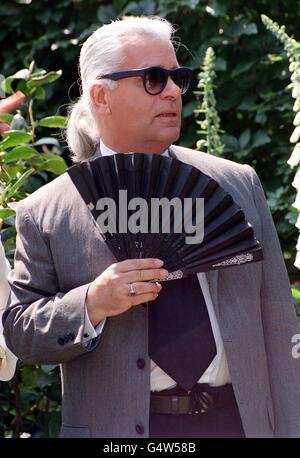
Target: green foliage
210, 125
296, 298
24, 155
31, 402
292, 49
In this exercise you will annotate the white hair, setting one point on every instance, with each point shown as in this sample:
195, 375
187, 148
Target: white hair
102, 53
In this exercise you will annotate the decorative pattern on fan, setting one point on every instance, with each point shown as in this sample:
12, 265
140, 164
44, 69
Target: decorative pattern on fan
228, 239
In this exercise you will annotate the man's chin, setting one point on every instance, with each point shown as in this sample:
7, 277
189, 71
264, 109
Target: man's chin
159, 143
174, 137
170, 134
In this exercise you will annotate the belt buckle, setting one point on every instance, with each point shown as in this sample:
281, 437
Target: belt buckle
202, 401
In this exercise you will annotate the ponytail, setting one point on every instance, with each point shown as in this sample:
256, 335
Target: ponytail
82, 132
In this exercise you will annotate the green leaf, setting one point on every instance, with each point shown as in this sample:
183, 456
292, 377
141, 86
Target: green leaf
6, 84
22, 86
105, 13
54, 122
241, 27
44, 79
261, 118
231, 143
54, 424
55, 165
250, 29
40, 93
21, 74
244, 138
14, 169
148, 7
229, 97
20, 153
217, 9
47, 368
6, 118
14, 138
296, 294
31, 65
11, 189
132, 8
248, 103
30, 376
275, 58
260, 138
241, 68
221, 64
6, 213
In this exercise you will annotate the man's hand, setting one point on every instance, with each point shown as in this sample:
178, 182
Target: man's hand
9, 104
108, 294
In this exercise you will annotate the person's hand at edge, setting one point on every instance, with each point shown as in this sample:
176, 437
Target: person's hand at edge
8, 105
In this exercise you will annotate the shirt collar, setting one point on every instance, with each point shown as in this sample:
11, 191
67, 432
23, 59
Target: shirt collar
103, 150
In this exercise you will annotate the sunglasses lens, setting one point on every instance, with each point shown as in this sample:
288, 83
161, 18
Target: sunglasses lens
155, 80
182, 78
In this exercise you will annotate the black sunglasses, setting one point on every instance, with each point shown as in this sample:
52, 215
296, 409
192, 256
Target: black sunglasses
155, 78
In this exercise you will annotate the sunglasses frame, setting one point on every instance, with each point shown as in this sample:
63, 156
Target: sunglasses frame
116, 76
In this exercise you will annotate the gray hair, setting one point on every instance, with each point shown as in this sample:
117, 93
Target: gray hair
101, 53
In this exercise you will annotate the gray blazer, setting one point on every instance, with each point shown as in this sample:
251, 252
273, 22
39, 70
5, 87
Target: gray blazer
105, 393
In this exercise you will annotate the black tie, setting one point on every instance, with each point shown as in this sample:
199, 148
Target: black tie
181, 341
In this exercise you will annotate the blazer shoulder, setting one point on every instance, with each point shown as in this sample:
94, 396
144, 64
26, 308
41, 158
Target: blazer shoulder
222, 170
59, 190
53, 202
208, 160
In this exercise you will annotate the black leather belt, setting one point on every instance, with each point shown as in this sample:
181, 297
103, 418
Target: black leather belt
200, 400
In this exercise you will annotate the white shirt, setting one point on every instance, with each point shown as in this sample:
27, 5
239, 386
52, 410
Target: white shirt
217, 373
7, 359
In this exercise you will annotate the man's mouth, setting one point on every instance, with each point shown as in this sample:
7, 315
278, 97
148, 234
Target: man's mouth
167, 115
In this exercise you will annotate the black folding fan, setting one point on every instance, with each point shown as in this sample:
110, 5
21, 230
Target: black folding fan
228, 238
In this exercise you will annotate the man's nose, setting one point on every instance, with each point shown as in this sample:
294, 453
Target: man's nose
171, 90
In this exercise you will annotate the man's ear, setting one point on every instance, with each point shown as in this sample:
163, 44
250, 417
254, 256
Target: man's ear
99, 98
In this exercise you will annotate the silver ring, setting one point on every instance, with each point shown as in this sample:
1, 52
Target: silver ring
132, 291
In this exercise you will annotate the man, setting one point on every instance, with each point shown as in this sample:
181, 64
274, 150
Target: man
71, 303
